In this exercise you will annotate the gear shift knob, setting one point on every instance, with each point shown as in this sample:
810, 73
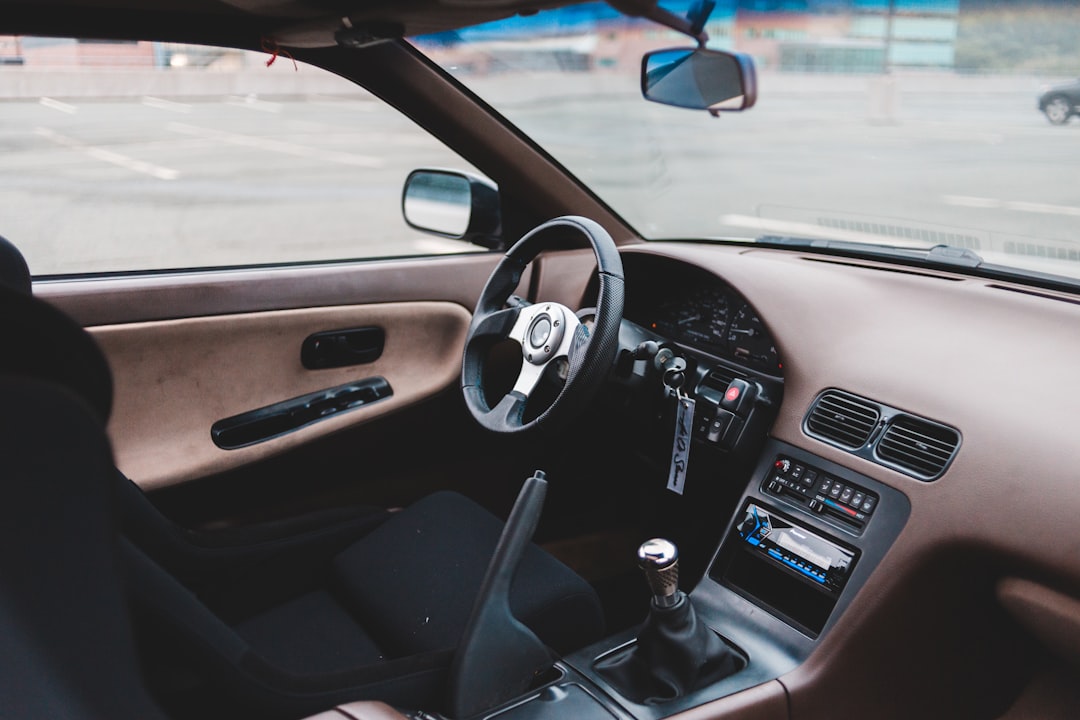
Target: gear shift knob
659, 559
676, 651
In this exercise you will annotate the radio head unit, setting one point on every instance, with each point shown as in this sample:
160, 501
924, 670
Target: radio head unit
775, 562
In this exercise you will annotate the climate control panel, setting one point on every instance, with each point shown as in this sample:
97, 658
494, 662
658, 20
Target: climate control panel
820, 493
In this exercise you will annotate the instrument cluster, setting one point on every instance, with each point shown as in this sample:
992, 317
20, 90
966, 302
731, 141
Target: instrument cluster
698, 310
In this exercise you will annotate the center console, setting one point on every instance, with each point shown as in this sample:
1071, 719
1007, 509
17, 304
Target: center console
805, 537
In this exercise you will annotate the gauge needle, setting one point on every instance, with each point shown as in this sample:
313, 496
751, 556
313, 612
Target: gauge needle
689, 319
747, 333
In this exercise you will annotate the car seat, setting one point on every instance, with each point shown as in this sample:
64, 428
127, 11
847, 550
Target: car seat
288, 618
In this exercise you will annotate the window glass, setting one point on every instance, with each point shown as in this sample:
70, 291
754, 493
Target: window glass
122, 156
910, 123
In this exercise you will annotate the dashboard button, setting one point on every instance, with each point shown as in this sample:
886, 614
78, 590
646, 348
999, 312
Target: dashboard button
738, 396
845, 496
719, 426
857, 500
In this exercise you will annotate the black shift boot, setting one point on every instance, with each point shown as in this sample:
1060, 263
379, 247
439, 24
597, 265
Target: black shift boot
675, 652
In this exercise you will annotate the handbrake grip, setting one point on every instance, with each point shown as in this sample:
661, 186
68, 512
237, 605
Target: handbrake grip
499, 658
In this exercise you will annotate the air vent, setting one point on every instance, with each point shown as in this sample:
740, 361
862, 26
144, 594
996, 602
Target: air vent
918, 446
882, 434
843, 419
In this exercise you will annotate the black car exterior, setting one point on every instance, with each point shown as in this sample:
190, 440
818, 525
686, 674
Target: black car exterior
1061, 102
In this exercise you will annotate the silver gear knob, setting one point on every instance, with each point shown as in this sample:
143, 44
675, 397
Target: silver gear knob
659, 559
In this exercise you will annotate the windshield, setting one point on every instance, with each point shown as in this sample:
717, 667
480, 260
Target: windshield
909, 123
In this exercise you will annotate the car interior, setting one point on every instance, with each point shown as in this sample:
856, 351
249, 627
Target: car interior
573, 474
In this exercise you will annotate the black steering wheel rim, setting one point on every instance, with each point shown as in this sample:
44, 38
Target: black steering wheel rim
590, 354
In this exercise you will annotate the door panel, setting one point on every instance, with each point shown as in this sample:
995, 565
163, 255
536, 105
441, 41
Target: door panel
175, 378
189, 349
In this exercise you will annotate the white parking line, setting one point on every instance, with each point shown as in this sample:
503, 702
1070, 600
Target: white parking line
278, 146
809, 230
57, 105
162, 104
435, 246
972, 202
253, 103
350, 104
1017, 205
114, 158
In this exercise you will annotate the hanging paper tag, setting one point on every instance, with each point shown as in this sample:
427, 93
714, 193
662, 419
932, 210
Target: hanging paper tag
680, 449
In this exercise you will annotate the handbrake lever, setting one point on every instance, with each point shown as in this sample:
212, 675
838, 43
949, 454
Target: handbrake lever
499, 658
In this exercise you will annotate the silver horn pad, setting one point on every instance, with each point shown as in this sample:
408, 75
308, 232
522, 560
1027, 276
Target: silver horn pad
544, 335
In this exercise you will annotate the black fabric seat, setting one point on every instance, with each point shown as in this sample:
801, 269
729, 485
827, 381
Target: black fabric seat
288, 618
65, 629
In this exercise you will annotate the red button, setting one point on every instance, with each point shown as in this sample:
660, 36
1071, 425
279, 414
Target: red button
732, 394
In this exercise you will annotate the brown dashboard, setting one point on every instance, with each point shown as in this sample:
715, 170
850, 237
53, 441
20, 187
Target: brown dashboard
988, 360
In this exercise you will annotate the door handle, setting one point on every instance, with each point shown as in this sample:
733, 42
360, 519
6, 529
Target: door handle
340, 348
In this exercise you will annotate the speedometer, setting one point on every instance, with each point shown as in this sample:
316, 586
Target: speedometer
705, 318
698, 317
751, 343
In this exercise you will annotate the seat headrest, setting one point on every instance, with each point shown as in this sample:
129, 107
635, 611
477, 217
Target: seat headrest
14, 272
43, 343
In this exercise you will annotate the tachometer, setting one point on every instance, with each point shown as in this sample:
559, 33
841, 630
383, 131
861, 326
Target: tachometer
749, 342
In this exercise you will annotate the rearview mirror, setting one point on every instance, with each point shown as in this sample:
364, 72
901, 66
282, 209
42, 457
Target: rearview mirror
453, 204
699, 79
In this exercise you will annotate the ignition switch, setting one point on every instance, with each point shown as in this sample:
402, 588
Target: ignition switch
672, 368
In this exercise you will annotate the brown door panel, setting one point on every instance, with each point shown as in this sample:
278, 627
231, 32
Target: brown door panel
190, 349
175, 378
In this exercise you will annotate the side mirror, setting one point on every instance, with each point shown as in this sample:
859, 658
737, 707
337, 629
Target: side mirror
699, 79
453, 204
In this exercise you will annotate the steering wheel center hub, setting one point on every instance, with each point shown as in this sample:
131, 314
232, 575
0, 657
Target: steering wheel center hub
544, 335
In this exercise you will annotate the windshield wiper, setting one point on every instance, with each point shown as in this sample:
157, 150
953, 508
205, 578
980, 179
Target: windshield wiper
938, 255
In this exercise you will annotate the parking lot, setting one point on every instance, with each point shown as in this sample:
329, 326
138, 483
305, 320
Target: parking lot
149, 181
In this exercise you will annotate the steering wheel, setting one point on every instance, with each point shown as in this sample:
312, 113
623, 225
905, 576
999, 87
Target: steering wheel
545, 331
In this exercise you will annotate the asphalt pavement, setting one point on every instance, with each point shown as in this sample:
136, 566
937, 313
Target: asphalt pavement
155, 182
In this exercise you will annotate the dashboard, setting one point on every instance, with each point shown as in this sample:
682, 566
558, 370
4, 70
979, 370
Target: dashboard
951, 569
922, 344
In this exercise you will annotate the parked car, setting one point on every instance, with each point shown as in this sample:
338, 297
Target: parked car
759, 321
1061, 102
